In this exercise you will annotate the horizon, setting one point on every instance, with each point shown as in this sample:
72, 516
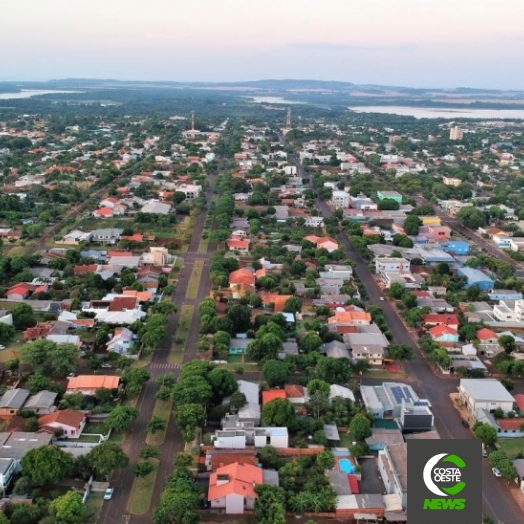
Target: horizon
378, 43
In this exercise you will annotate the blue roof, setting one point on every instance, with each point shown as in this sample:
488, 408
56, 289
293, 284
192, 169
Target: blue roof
473, 274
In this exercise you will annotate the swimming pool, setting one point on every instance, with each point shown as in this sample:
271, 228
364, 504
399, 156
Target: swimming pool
346, 466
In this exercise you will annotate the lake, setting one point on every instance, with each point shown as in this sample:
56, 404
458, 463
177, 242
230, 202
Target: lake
28, 93
438, 112
272, 100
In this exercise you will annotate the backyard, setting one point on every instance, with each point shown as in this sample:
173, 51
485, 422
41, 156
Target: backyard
514, 447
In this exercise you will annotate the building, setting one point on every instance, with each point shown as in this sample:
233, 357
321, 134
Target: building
391, 195
11, 402
505, 294
477, 278
43, 403
371, 353
121, 341
241, 281
109, 236
485, 393
456, 133
156, 207
451, 181
392, 462
88, 384
237, 244
509, 311
444, 334
392, 265
70, 421
398, 401
340, 199
337, 271
441, 319
456, 247
232, 487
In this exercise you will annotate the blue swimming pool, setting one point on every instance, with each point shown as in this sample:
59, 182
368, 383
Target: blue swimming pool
346, 466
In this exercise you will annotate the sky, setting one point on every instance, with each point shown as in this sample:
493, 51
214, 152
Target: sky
445, 43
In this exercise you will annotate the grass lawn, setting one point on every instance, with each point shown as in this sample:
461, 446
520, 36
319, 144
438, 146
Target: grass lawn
12, 349
162, 409
143, 361
203, 245
345, 440
142, 492
194, 279
94, 505
512, 446
94, 428
234, 359
175, 356
184, 324
88, 438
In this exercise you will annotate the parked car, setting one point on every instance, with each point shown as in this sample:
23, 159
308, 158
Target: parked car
2, 347
382, 299
108, 495
484, 452
106, 366
496, 472
465, 423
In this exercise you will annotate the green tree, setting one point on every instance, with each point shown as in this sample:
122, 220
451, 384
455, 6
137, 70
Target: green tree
183, 460
47, 465
501, 460
486, 433
279, 412
310, 342
471, 217
276, 372
401, 352
143, 469
508, 343
325, 461
23, 316
121, 418
68, 509
135, 379
106, 457
189, 417
412, 225
7, 333
293, 305
270, 504
192, 390
51, 359
147, 453
222, 382
360, 427
155, 424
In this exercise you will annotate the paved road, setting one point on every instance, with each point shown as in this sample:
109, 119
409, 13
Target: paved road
115, 511
497, 500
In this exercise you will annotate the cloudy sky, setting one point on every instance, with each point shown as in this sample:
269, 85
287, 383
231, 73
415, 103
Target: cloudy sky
445, 43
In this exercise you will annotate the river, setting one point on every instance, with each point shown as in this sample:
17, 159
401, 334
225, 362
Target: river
439, 112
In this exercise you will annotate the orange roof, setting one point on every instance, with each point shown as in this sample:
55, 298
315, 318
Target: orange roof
259, 273
80, 270
136, 237
441, 318
242, 276
119, 254
143, 296
67, 417
346, 317
510, 424
242, 479
93, 382
121, 303
272, 394
294, 391
519, 399
104, 211
237, 243
438, 331
277, 300
83, 322
486, 334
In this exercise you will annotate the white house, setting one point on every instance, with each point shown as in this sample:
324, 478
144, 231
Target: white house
340, 199
122, 341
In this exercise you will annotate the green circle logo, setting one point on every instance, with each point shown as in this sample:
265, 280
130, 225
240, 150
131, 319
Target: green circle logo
446, 473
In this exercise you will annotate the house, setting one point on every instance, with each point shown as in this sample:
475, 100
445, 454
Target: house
250, 412
296, 394
237, 244
74, 238
337, 272
337, 391
122, 341
441, 319
509, 311
392, 462
109, 236
88, 384
70, 421
238, 346
485, 393
504, 294
20, 291
391, 195
43, 403
486, 336
391, 265
311, 221
444, 334
272, 394
477, 278
371, 353
350, 318
277, 301
433, 233
11, 402
241, 281
232, 487
335, 349
323, 242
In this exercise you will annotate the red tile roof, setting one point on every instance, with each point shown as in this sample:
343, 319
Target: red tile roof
242, 276
82, 270
510, 424
440, 330
272, 394
121, 303
444, 318
67, 417
294, 391
519, 399
486, 334
242, 481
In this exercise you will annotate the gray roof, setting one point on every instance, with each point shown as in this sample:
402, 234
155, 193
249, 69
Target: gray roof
16, 445
239, 343
331, 432
43, 399
488, 389
251, 391
339, 482
111, 232
336, 349
14, 398
270, 476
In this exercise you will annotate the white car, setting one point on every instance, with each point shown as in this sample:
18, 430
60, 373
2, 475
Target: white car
2, 347
496, 472
382, 299
108, 495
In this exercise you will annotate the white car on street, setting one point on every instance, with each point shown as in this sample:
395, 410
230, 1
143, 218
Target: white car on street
496, 472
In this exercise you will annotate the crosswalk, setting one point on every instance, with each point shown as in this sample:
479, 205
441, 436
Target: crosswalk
164, 365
